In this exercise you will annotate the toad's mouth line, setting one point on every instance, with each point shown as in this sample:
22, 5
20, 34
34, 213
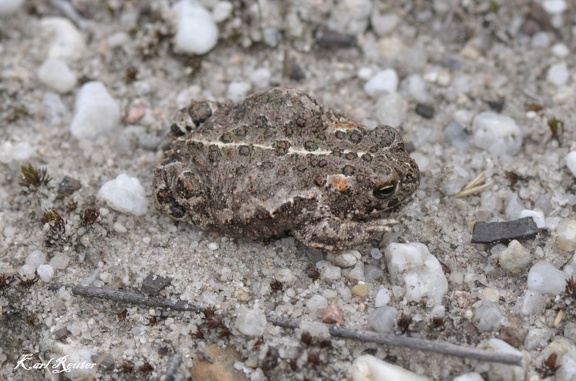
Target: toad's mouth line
291, 150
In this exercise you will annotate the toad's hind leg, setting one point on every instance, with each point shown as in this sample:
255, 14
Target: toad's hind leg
333, 234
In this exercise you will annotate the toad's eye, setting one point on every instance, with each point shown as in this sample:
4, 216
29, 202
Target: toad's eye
385, 190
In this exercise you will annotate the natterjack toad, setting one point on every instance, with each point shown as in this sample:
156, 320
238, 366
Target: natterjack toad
279, 162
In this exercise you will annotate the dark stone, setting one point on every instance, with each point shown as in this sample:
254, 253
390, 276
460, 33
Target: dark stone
513, 335
496, 105
331, 39
370, 351
153, 284
62, 334
425, 111
67, 186
504, 232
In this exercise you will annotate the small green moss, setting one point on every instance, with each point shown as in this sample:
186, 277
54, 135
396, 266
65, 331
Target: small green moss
33, 177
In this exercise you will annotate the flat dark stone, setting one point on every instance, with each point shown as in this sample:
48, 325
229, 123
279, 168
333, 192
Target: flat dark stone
153, 284
331, 39
67, 186
503, 232
425, 111
62, 333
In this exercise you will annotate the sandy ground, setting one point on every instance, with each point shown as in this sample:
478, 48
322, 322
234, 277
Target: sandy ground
476, 57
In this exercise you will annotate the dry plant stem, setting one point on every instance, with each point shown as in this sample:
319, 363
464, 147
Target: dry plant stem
126, 297
409, 342
68, 10
476, 185
345, 333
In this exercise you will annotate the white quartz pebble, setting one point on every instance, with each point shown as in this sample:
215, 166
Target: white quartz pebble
36, 258
15, 152
73, 357
469, 377
515, 258
222, 10
328, 271
59, 261
571, 162
540, 40
537, 337
543, 277
567, 371
95, 112
285, 276
125, 194
412, 265
560, 50
315, 329
487, 316
344, 259
196, 31
27, 271
384, 23
536, 214
376, 253
370, 368
119, 228
497, 371
382, 297
55, 74
372, 274
382, 319
67, 42
457, 136
391, 109
260, 78
554, 6
385, 81
317, 302
251, 322
358, 272
566, 234
558, 74
350, 16
496, 133
415, 87
45, 272
9, 7
531, 303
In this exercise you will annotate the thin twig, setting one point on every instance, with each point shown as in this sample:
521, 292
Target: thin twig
475, 181
69, 11
346, 333
126, 297
476, 185
409, 342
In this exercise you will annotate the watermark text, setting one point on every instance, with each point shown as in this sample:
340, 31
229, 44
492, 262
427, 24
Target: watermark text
54, 365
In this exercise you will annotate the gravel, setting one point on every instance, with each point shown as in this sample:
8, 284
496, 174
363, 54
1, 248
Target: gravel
57, 75
196, 31
88, 89
125, 194
95, 112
